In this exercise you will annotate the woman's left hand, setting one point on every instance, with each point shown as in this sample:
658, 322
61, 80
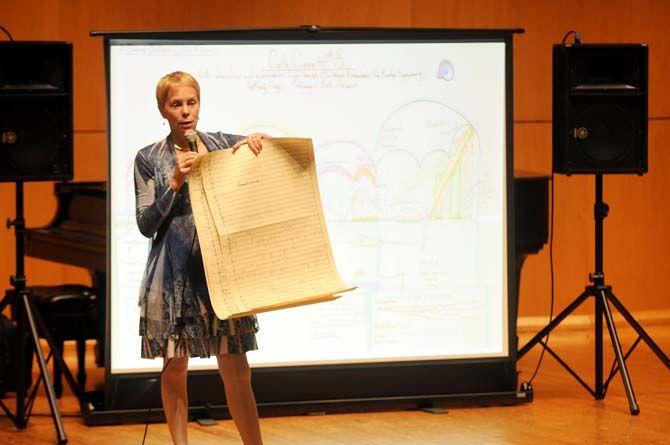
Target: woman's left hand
254, 141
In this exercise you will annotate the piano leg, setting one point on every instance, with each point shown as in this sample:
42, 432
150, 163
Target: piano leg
58, 381
81, 364
100, 285
519, 264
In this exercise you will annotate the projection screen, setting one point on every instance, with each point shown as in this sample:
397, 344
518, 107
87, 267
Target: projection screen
412, 140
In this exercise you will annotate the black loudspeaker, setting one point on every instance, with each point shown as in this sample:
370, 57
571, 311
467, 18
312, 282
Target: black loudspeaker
600, 108
35, 111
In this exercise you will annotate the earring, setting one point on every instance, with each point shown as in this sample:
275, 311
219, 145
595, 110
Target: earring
163, 122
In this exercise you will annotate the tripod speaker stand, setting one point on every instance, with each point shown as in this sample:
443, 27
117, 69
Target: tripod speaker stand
21, 301
603, 295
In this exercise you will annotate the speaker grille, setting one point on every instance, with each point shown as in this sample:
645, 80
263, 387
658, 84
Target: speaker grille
609, 134
39, 139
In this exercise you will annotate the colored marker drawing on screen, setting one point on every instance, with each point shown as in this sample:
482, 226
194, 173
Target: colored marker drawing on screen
423, 167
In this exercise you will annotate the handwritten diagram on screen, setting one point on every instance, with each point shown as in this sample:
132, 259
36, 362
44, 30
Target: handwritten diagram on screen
409, 142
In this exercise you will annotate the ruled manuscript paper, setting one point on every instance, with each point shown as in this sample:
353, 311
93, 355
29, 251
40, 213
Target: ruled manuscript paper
261, 229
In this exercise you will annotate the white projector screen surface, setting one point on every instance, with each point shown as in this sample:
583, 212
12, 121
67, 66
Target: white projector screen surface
409, 140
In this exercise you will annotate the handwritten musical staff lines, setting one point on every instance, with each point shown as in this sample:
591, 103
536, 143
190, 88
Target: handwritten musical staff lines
261, 228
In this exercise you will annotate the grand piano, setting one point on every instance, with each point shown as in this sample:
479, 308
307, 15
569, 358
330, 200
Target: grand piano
77, 235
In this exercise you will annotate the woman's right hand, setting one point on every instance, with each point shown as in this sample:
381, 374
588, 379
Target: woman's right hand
182, 169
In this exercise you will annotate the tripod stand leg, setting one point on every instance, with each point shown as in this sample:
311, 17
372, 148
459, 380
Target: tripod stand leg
21, 419
48, 388
634, 408
640, 330
598, 353
58, 357
555, 322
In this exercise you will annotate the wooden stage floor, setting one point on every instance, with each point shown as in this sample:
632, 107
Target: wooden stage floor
562, 413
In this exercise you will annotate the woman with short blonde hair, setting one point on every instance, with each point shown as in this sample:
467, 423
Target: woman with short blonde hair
176, 317
178, 78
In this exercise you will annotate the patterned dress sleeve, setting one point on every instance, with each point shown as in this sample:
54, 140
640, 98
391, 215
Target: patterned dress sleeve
222, 140
232, 138
151, 210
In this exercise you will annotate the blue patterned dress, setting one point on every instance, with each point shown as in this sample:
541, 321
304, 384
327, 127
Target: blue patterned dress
176, 316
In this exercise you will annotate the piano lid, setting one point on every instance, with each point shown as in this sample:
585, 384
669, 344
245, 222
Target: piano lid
77, 234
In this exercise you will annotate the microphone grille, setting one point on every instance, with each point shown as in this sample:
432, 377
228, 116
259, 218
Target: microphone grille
191, 136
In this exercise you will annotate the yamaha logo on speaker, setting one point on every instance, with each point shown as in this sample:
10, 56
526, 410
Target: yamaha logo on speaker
8, 137
581, 133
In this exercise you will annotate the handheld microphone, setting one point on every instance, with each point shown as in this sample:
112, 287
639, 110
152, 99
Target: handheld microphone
192, 138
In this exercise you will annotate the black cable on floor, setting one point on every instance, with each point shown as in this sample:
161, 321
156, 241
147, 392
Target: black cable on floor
551, 273
9, 35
